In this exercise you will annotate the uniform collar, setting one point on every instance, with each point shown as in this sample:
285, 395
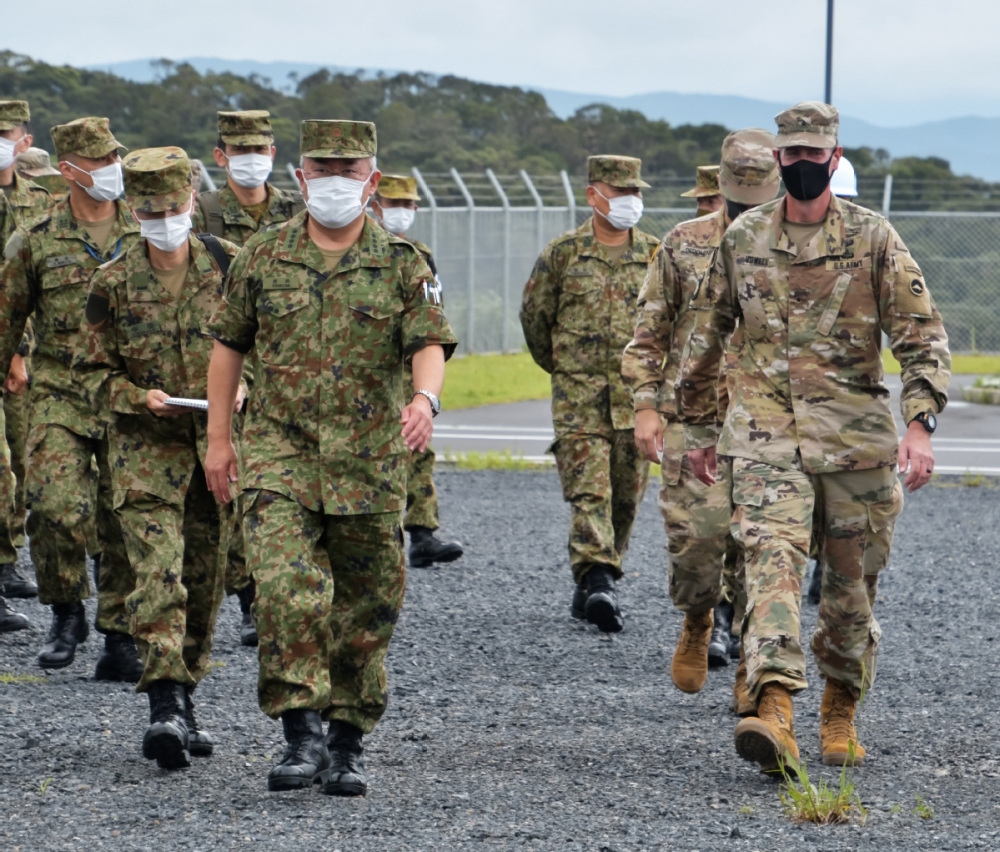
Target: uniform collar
234, 214
831, 241
591, 247
65, 225
372, 249
144, 285
23, 188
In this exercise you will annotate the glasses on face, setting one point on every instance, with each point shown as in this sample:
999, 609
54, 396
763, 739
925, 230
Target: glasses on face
352, 172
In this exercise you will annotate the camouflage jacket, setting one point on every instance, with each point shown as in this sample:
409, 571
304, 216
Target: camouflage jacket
49, 264
322, 425
578, 313
236, 225
808, 386
140, 337
27, 201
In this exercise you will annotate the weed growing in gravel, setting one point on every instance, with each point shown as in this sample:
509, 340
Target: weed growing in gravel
820, 803
7, 677
747, 810
895, 808
923, 810
45, 786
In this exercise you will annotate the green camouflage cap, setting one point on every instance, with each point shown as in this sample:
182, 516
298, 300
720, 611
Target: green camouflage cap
87, 137
398, 186
351, 140
34, 162
246, 127
810, 123
13, 114
157, 179
706, 183
621, 172
748, 173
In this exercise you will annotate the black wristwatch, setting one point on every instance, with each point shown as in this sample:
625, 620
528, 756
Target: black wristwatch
927, 420
434, 401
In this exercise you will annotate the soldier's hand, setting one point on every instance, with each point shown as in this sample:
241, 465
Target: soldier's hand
417, 423
240, 397
703, 465
155, 403
649, 434
221, 469
916, 456
17, 377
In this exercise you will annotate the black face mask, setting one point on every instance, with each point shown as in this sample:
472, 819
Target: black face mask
806, 180
734, 208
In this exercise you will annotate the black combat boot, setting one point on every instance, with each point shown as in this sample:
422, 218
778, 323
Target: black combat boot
718, 645
166, 738
200, 742
578, 608
119, 661
248, 627
69, 628
15, 585
816, 584
426, 549
11, 620
306, 761
602, 602
347, 770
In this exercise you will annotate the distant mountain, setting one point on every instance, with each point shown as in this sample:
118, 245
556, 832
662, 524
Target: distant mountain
967, 143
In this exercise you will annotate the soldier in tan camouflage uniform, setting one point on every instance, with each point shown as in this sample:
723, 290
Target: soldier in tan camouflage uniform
35, 164
578, 313
248, 203
46, 276
394, 206
814, 281
706, 190
696, 516
145, 313
332, 307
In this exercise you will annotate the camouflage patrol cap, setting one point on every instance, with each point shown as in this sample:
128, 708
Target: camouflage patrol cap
34, 162
351, 140
706, 183
87, 137
13, 114
810, 123
621, 172
246, 127
157, 179
748, 173
398, 186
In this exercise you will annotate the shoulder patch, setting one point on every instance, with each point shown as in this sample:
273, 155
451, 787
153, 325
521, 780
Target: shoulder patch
97, 308
912, 295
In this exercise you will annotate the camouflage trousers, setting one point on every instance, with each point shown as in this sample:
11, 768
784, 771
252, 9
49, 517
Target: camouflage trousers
60, 493
8, 552
179, 554
329, 592
16, 428
421, 496
237, 573
775, 510
604, 482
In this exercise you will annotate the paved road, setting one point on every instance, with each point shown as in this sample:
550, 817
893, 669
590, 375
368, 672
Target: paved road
967, 440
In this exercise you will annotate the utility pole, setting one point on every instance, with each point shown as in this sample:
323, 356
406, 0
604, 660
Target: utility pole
829, 51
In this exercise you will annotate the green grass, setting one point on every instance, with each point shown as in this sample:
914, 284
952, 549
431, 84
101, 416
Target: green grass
965, 364
820, 803
491, 379
923, 810
491, 461
7, 677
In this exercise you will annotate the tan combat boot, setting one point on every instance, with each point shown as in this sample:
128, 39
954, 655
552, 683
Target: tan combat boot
742, 705
689, 667
837, 737
768, 739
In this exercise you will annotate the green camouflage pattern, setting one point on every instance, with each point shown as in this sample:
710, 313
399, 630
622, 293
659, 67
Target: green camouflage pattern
328, 597
8, 485
421, 495
812, 124
247, 127
322, 424
15, 407
238, 225
26, 201
748, 172
777, 514
706, 183
86, 137
157, 180
808, 383
13, 114
34, 162
621, 172
398, 186
345, 139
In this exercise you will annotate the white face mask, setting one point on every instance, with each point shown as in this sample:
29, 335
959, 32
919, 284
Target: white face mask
625, 212
398, 220
7, 155
166, 234
250, 170
335, 201
108, 182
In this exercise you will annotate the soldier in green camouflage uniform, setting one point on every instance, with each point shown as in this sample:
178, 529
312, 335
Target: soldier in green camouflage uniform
578, 313
394, 207
145, 313
248, 203
332, 307
47, 272
814, 281
706, 191
696, 516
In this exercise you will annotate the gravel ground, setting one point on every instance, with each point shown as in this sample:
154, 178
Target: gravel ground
513, 727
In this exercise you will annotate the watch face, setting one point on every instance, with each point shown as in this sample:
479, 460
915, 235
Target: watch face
931, 421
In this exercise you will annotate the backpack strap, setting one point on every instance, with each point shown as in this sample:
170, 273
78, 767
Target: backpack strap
215, 249
211, 211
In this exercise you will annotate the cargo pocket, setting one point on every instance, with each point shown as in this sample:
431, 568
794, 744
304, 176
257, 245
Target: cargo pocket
881, 523
869, 661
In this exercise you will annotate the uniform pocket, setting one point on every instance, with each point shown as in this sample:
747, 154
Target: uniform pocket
281, 315
752, 310
882, 517
748, 489
376, 333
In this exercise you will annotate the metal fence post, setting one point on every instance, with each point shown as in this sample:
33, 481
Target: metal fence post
470, 336
887, 196
432, 203
538, 206
505, 330
290, 168
570, 199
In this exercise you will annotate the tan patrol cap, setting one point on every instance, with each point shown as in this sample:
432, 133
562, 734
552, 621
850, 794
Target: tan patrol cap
620, 172
157, 179
13, 114
34, 162
810, 123
748, 173
706, 183
89, 137
246, 127
352, 140
398, 186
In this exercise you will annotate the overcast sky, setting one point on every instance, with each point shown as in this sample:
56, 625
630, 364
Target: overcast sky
895, 61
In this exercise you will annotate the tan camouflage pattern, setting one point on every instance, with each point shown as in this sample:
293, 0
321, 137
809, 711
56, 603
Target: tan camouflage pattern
345, 139
748, 173
621, 172
776, 515
86, 137
13, 114
808, 384
34, 162
246, 127
809, 123
157, 180
706, 183
238, 225
398, 186
421, 495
